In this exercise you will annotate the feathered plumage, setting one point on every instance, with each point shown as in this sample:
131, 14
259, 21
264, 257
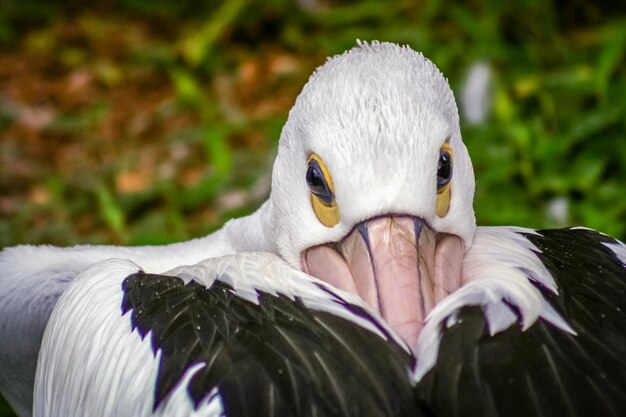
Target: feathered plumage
427, 314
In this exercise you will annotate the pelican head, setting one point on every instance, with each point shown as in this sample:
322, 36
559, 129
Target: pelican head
372, 187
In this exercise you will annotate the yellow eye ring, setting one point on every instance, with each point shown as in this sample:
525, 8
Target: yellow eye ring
444, 179
322, 191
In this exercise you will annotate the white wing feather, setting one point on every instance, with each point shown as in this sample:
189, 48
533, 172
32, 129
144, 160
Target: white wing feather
33, 277
91, 362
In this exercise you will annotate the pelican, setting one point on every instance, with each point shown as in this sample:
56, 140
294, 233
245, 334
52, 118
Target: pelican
362, 286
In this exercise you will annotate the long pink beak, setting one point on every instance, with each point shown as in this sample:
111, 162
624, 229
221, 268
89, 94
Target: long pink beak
397, 264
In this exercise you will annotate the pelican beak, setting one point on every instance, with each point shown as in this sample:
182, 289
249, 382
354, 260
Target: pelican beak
397, 264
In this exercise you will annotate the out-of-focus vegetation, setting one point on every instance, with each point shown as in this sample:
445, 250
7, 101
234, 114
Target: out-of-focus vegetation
150, 121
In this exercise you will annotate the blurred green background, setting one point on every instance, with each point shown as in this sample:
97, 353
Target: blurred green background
151, 121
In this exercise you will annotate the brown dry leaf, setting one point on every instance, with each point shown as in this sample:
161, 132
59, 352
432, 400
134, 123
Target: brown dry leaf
248, 72
281, 64
39, 195
79, 84
8, 205
132, 181
191, 176
35, 119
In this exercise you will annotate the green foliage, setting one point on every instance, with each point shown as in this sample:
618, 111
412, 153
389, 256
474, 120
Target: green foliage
557, 132
110, 210
204, 89
197, 46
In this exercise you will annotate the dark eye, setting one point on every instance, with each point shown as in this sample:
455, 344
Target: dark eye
444, 169
317, 183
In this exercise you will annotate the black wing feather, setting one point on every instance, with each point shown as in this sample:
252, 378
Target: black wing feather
543, 371
274, 358
279, 358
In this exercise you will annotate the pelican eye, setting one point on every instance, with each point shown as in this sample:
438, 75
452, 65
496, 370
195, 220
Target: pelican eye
322, 191
444, 175
317, 183
444, 168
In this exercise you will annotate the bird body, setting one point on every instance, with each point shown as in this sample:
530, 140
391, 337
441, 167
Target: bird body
361, 287
34, 277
